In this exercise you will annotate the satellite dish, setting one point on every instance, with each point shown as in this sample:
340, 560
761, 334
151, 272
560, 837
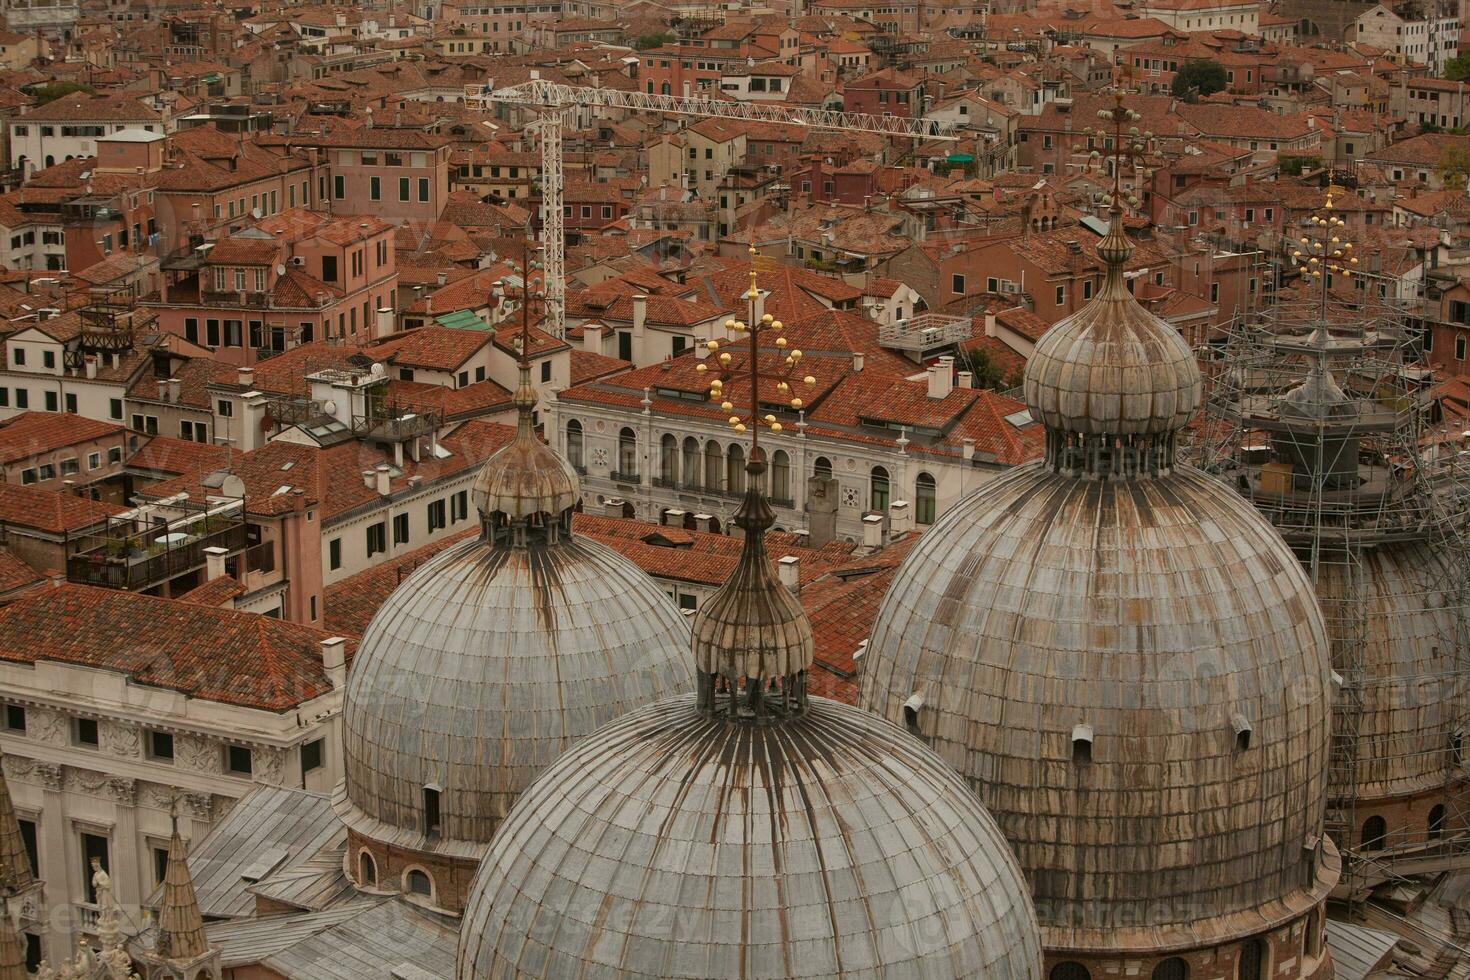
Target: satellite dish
256, 213
330, 407
280, 270
377, 371
232, 486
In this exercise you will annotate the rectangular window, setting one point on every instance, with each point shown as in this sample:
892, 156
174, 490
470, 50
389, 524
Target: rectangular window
957, 285
311, 756
400, 529
403, 183
20, 355
4, 397
375, 188
48, 358
69, 467
94, 460
423, 189
160, 864
191, 329
71, 402
15, 717
239, 760
114, 455
211, 333
334, 554
377, 541
436, 516
161, 746
28, 840
85, 732
339, 187
545, 371
1460, 348
115, 408
50, 401
1061, 295
1214, 292
28, 476
459, 506
1087, 289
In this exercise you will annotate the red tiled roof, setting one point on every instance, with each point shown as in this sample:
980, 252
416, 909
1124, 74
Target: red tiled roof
16, 575
35, 433
214, 654
433, 347
52, 511
216, 592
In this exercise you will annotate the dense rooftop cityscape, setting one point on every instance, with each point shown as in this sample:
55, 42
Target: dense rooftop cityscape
807, 488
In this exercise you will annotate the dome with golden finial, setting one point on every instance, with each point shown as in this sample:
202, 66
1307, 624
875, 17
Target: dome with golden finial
1129, 666
749, 829
488, 662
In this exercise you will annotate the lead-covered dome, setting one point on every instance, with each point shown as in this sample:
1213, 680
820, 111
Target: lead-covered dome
484, 666
675, 844
749, 830
1124, 659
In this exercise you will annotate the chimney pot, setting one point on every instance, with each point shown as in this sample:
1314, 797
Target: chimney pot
967, 379
873, 530
246, 377
214, 562
334, 660
941, 378
788, 570
857, 361
613, 507
384, 481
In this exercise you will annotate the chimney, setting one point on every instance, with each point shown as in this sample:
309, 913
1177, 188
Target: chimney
163, 389
640, 312
384, 480
990, 324
873, 530
442, 278
613, 507
700, 350
703, 522
246, 378
385, 321
369, 479
592, 338
857, 361
672, 518
90, 364
788, 570
967, 380
174, 385
334, 660
900, 517
969, 450
214, 562
941, 378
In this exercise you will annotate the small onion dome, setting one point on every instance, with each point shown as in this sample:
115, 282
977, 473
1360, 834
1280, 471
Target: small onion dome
526, 478
1113, 370
1319, 396
753, 627
675, 843
482, 668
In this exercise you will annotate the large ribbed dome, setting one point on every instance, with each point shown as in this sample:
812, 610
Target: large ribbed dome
674, 844
491, 660
488, 663
1411, 643
1124, 659
749, 830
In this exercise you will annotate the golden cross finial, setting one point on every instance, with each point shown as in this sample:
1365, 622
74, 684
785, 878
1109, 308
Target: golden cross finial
725, 372
1324, 248
1130, 148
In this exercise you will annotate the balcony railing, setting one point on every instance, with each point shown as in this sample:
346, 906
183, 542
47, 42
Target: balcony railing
620, 477
134, 564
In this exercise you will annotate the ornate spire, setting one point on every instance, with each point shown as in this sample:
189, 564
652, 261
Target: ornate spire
12, 946
525, 492
17, 874
1112, 383
180, 924
752, 640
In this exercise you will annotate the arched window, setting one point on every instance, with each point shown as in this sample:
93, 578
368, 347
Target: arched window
664, 89
735, 469
691, 462
780, 477
878, 495
714, 462
668, 460
1174, 968
574, 444
822, 467
1252, 965
367, 870
925, 495
627, 454
1069, 971
418, 883
1374, 830
1436, 822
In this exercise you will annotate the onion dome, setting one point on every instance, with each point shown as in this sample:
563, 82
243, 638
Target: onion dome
487, 663
749, 830
1124, 659
1112, 377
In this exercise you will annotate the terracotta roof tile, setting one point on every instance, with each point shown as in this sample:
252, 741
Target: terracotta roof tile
52, 511
35, 433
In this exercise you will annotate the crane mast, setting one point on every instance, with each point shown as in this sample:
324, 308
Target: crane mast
556, 102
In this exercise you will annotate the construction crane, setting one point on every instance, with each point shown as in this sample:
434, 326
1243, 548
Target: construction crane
556, 102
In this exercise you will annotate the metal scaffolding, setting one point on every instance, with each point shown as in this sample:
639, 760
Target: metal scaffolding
1321, 414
